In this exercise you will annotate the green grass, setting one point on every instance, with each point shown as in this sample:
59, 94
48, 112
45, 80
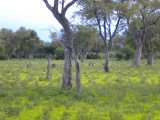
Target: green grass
126, 93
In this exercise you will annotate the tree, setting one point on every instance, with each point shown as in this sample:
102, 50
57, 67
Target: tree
59, 14
27, 42
139, 18
32, 43
9, 40
2, 52
85, 37
152, 41
104, 12
22, 35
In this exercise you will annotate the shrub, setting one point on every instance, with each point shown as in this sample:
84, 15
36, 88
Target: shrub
129, 52
2, 53
126, 53
120, 56
92, 55
59, 54
100, 56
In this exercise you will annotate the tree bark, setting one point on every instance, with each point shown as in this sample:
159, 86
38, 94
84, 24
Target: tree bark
137, 58
78, 80
67, 74
150, 58
48, 67
106, 67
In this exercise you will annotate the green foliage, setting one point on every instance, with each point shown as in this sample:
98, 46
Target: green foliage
23, 42
2, 53
120, 56
92, 55
128, 52
59, 54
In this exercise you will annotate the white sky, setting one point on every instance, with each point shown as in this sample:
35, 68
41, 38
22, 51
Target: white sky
32, 14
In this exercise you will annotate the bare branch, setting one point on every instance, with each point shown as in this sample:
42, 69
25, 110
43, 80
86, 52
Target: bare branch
63, 1
48, 5
67, 6
117, 25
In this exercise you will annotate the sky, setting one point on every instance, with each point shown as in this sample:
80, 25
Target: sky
32, 14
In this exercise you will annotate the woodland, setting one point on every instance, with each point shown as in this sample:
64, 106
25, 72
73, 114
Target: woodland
106, 67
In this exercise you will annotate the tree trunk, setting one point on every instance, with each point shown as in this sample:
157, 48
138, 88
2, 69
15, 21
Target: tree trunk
150, 57
137, 58
67, 74
106, 67
78, 80
10, 54
16, 54
20, 55
60, 16
48, 67
27, 55
83, 58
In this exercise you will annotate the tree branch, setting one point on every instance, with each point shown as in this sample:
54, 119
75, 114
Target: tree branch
55, 8
67, 6
48, 5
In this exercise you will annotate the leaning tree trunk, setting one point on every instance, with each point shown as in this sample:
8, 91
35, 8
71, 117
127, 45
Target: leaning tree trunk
78, 80
150, 57
137, 58
106, 66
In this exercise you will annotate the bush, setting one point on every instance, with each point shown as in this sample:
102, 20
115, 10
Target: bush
120, 56
59, 54
112, 54
2, 53
100, 56
92, 55
126, 53
3, 57
129, 52
40, 56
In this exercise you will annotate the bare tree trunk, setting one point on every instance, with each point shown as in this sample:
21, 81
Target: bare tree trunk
67, 74
150, 57
78, 80
106, 67
48, 67
137, 58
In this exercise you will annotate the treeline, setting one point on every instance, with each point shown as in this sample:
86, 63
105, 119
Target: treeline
26, 44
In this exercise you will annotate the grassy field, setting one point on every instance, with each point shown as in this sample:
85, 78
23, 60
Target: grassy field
126, 93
